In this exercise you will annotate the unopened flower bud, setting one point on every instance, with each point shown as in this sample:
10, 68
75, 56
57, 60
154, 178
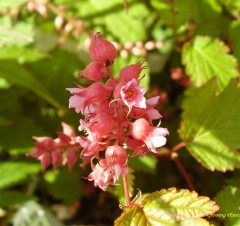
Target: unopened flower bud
159, 44
58, 22
150, 45
31, 6
42, 9
128, 45
124, 53
143, 52
68, 27
102, 50
139, 44
136, 51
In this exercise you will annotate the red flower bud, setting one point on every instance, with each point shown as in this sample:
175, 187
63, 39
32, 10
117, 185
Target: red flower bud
102, 50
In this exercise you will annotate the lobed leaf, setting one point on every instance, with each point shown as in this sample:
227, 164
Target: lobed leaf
169, 208
206, 58
210, 126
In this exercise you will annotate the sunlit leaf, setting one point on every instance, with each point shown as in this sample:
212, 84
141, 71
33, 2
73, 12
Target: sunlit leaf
206, 58
210, 126
169, 208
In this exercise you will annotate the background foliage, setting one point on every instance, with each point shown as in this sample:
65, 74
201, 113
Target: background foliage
192, 49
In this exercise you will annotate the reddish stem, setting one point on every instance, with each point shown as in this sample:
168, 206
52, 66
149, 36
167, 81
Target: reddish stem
178, 146
125, 5
184, 173
126, 190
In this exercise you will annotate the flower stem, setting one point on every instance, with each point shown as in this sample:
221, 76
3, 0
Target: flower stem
126, 190
178, 146
184, 173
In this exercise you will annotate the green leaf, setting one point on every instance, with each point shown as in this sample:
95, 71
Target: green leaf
64, 185
210, 126
16, 74
191, 13
10, 198
232, 6
118, 190
4, 121
229, 201
12, 173
9, 36
13, 135
10, 3
234, 34
169, 208
23, 55
206, 58
134, 21
147, 163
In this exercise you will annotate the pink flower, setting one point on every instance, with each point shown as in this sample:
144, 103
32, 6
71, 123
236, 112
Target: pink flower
152, 137
95, 71
101, 175
133, 95
108, 170
116, 158
138, 146
102, 50
85, 100
130, 72
149, 113
47, 151
91, 147
68, 139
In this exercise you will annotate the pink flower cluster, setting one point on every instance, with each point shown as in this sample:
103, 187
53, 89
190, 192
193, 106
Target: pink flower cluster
117, 120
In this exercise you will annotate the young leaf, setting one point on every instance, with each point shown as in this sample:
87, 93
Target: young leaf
169, 208
210, 126
12, 173
229, 202
206, 58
